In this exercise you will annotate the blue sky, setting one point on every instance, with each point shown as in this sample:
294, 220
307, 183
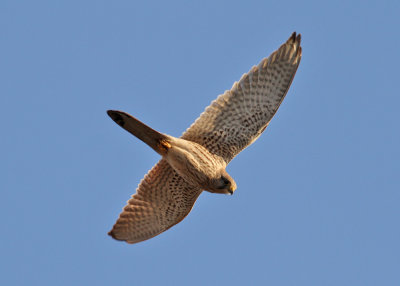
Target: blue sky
318, 194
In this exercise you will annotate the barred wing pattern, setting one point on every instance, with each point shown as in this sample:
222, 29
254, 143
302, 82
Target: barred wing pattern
238, 117
162, 200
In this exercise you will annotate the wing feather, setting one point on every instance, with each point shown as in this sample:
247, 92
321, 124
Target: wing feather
238, 117
162, 200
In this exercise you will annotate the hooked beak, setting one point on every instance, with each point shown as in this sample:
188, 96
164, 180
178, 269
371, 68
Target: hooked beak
231, 189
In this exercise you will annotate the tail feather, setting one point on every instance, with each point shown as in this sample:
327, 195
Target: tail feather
151, 137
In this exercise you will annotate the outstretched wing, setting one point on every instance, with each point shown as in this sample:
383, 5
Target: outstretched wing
162, 200
238, 117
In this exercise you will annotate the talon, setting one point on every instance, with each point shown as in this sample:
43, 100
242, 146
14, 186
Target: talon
164, 146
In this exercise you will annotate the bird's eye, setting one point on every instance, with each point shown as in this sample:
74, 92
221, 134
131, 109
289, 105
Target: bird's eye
225, 180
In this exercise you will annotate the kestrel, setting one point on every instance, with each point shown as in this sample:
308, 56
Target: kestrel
197, 160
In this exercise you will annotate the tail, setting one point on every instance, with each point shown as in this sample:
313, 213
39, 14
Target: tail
156, 140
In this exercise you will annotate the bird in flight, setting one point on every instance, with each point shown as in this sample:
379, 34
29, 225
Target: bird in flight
197, 160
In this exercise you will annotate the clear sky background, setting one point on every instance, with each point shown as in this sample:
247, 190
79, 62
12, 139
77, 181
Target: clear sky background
318, 194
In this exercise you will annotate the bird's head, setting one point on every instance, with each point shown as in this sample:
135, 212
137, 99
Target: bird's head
223, 184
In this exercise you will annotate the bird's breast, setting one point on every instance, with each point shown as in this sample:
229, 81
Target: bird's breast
194, 163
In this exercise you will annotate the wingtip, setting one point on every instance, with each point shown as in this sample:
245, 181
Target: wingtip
298, 38
295, 38
112, 234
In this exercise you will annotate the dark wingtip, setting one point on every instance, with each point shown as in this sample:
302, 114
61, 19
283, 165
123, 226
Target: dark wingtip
298, 38
116, 116
295, 37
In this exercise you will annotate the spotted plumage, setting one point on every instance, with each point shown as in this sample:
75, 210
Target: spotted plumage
197, 161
